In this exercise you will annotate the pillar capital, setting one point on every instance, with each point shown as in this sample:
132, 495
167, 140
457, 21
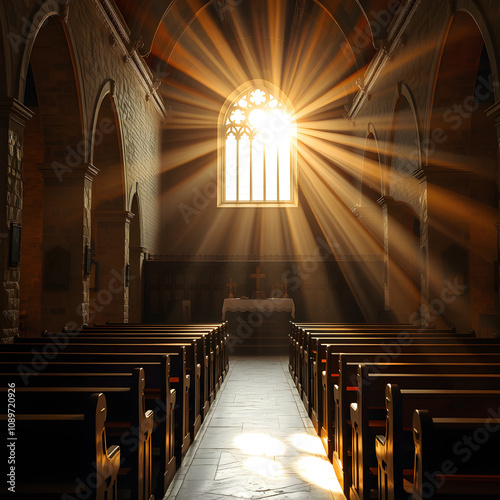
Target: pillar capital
14, 110
61, 173
113, 215
366, 211
494, 112
387, 201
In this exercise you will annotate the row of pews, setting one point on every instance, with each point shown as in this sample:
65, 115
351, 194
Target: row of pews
108, 412
404, 412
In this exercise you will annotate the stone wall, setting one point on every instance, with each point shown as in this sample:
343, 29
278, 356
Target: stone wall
101, 63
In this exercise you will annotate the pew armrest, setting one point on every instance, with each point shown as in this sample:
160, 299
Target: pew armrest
353, 409
112, 451
149, 422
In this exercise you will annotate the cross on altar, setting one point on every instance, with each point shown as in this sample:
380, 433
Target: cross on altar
232, 285
257, 277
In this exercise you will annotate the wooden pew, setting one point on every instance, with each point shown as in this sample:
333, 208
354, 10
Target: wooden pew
218, 335
368, 415
179, 379
390, 341
388, 350
128, 425
299, 338
217, 360
336, 410
305, 344
60, 448
314, 351
160, 398
117, 344
395, 448
345, 385
435, 439
201, 345
202, 371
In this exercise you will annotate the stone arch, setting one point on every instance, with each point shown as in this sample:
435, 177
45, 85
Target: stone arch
369, 210
136, 259
401, 211
403, 264
461, 169
55, 175
110, 221
371, 185
404, 156
5, 60
50, 10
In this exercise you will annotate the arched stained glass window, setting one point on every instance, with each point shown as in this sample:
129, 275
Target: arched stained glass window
257, 163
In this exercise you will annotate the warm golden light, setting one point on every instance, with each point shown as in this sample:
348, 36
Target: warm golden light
318, 471
260, 444
308, 443
264, 467
347, 158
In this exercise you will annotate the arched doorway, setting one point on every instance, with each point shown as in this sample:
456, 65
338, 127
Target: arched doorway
402, 222
136, 257
52, 284
462, 193
110, 221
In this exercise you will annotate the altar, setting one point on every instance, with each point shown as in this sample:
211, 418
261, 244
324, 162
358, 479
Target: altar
258, 326
264, 306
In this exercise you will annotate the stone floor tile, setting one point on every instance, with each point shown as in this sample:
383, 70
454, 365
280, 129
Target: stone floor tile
257, 442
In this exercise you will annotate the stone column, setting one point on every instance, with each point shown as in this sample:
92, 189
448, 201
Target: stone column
13, 117
445, 231
137, 256
66, 233
111, 299
368, 273
494, 113
402, 263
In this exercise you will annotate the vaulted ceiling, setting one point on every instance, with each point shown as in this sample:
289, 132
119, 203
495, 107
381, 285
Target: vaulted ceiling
160, 24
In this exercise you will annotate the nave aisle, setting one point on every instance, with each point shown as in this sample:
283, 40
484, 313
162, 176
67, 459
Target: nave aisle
257, 442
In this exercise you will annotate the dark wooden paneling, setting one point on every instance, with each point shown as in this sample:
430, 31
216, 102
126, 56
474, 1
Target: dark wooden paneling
319, 289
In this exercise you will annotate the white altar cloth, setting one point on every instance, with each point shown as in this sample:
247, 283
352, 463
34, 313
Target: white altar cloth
258, 305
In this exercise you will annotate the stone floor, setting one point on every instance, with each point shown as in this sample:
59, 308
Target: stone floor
257, 442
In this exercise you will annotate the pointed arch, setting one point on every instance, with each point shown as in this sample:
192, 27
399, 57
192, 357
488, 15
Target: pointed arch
53, 154
48, 12
5, 56
106, 126
136, 261
404, 154
371, 177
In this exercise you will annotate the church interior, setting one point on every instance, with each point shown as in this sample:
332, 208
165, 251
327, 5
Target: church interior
250, 249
